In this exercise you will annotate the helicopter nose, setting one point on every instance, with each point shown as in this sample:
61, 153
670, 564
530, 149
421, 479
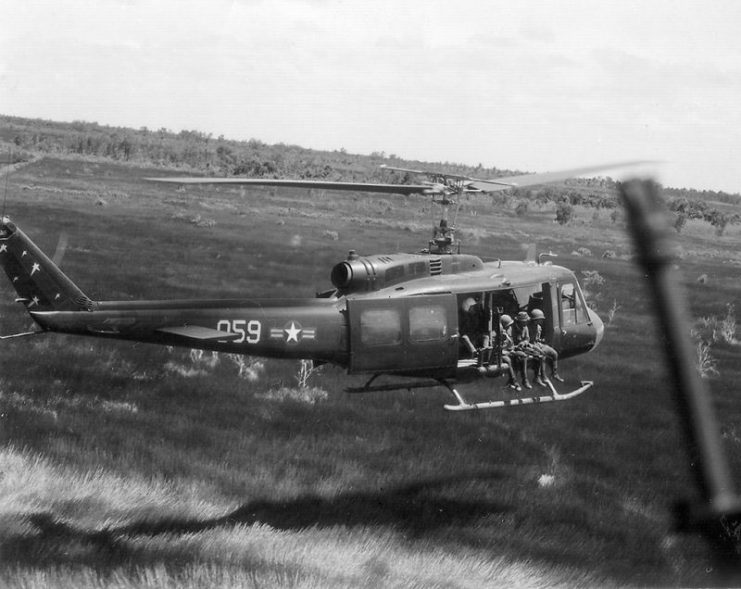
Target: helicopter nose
599, 328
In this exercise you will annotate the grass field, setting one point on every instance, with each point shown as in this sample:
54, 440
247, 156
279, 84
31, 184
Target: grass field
132, 465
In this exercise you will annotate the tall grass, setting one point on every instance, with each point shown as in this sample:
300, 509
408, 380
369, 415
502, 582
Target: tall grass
62, 526
133, 465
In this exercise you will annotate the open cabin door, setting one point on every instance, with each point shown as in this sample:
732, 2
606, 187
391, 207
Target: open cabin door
413, 335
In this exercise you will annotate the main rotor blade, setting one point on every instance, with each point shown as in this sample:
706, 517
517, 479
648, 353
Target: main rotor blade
318, 184
506, 182
426, 173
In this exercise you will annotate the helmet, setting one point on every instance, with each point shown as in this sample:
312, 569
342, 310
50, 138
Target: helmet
522, 317
468, 303
506, 321
537, 314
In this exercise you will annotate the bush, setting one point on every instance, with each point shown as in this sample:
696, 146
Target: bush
521, 208
564, 213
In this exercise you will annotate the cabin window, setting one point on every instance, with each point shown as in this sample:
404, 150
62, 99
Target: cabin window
428, 323
380, 327
572, 309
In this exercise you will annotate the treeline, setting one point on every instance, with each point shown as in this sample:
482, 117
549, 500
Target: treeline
686, 209
201, 153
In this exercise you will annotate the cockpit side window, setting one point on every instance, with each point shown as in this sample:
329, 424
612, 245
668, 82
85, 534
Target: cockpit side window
572, 306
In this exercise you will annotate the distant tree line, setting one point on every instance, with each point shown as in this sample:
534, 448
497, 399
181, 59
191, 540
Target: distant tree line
199, 152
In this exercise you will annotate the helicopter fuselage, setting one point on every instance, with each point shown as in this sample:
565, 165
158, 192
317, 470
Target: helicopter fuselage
388, 314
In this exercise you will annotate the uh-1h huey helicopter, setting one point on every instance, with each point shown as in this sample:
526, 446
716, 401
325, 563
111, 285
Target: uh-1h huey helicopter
388, 314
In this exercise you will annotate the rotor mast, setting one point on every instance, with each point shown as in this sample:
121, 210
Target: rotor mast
443, 240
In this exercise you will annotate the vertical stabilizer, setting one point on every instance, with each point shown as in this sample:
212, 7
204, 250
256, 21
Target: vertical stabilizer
40, 284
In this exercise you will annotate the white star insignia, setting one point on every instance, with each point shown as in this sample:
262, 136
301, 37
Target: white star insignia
3, 248
35, 268
292, 333
34, 301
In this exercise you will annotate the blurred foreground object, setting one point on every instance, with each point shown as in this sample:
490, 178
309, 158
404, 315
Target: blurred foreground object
717, 514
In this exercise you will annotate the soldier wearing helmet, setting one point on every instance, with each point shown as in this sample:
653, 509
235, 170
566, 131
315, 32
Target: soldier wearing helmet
521, 339
516, 357
549, 354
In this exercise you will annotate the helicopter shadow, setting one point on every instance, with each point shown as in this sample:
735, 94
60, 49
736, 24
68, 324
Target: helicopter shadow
416, 509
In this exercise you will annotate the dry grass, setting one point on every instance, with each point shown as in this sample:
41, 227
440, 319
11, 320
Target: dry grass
55, 522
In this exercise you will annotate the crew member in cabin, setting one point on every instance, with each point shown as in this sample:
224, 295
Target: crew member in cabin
473, 331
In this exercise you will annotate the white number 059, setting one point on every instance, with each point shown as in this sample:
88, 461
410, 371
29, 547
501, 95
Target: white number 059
248, 331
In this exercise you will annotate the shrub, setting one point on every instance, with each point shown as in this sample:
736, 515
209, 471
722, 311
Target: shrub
249, 368
309, 395
564, 213
612, 311
521, 208
726, 327
705, 361
592, 279
711, 329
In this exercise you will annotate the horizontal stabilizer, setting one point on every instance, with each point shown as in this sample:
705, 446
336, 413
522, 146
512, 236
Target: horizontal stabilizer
200, 334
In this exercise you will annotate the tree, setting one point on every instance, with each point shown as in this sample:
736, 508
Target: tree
564, 212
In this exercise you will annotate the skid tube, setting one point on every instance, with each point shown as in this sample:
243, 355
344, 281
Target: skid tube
462, 405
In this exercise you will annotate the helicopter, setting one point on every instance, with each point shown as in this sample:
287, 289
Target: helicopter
399, 315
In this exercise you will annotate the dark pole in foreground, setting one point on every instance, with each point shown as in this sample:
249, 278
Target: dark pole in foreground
717, 517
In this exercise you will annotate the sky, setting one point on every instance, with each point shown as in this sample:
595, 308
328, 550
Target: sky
522, 85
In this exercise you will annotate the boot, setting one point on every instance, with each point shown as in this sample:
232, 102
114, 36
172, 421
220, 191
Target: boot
555, 376
539, 381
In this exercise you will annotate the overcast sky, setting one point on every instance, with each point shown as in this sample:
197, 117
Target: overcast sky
525, 85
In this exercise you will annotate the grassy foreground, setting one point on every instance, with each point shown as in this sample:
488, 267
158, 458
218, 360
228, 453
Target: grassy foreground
130, 465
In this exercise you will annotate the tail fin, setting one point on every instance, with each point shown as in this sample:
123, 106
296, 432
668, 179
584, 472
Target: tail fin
40, 284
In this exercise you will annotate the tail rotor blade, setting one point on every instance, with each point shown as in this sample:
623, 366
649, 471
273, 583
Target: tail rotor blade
61, 248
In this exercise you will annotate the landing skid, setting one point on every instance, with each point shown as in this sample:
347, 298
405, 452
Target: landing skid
462, 405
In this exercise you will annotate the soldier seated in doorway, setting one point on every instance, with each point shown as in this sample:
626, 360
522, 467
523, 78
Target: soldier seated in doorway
521, 339
516, 356
538, 340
